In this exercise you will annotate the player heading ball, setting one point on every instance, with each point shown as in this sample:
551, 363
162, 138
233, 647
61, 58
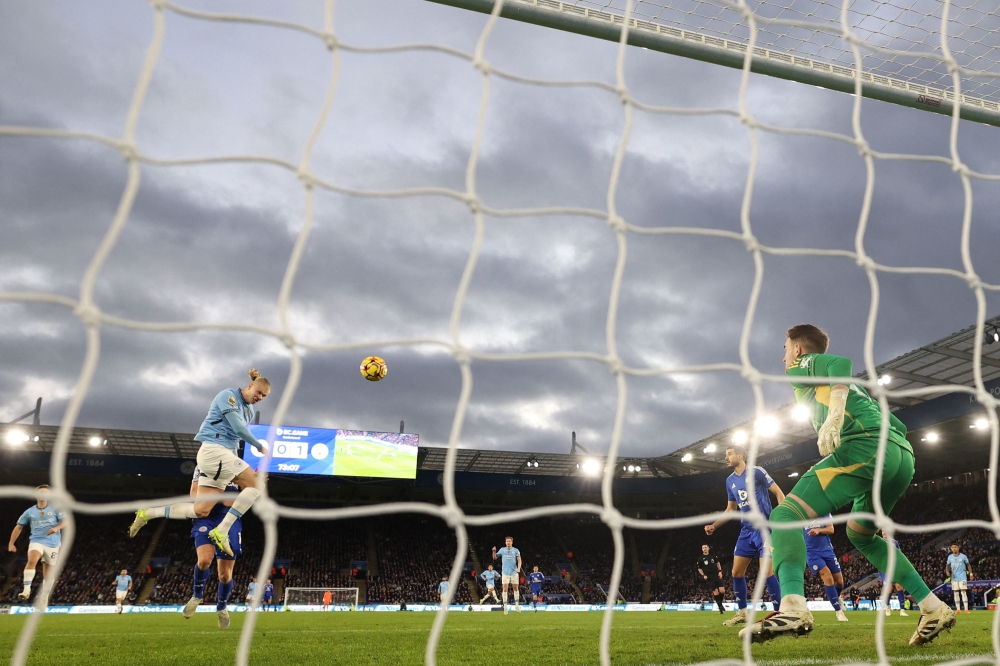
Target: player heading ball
220, 434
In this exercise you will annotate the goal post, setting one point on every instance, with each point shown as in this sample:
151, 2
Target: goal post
658, 35
320, 598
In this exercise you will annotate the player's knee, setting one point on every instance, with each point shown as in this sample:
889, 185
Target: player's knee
202, 510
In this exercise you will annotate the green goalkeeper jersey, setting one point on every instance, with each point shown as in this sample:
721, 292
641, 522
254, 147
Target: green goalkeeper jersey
863, 417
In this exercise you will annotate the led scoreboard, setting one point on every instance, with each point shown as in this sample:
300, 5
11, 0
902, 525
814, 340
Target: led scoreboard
322, 451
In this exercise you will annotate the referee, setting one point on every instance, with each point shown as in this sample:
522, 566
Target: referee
711, 574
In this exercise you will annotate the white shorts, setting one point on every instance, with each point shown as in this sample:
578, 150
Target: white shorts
119, 595
959, 585
49, 553
509, 580
218, 466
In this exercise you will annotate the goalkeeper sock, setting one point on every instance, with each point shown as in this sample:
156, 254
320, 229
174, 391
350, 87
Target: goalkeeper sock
833, 597
789, 549
774, 590
243, 502
740, 592
224, 590
183, 511
876, 550
200, 578
29, 575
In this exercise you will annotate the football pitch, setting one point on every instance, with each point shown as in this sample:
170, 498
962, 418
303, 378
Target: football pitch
473, 638
367, 457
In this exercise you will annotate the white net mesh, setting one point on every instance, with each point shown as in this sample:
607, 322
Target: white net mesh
900, 39
269, 511
320, 598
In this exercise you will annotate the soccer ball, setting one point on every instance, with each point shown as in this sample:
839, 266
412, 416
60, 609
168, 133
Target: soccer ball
373, 368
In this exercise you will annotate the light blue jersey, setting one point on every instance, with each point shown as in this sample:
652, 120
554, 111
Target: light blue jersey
959, 566
443, 587
490, 576
41, 521
122, 583
215, 429
508, 560
251, 588
736, 490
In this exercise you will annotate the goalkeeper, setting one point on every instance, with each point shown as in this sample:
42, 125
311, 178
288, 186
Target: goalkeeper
848, 422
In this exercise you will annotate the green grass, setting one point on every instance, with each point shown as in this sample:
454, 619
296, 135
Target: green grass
470, 638
371, 458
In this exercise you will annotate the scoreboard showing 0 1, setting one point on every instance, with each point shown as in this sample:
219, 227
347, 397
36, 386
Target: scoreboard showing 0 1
328, 452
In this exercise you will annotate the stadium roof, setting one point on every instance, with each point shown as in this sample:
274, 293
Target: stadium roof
947, 361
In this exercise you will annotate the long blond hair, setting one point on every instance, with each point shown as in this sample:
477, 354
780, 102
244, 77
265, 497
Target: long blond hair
256, 377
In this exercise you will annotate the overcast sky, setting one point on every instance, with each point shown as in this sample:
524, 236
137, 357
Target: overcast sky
210, 243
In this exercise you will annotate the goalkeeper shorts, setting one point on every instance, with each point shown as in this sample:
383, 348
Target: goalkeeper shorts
847, 476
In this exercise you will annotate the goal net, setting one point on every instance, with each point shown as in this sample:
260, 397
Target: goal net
320, 598
922, 54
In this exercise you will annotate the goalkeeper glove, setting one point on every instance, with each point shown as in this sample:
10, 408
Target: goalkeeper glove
829, 432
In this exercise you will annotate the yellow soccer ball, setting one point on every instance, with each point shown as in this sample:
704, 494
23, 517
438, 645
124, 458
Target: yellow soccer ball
373, 368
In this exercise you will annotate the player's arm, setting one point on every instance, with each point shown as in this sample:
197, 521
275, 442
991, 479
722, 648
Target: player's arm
732, 506
494, 552
968, 568
12, 546
828, 437
241, 430
777, 492
58, 526
701, 573
826, 529
719, 566
518, 564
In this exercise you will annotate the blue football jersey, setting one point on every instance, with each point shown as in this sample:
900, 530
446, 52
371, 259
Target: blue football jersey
536, 578
508, 560
40, 522
736, 490
958, 564
215, 429
820, 543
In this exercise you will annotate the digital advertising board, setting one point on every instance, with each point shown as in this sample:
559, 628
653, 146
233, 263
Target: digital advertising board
324, 451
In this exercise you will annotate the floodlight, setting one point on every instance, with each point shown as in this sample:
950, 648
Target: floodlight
767, 426
686, 457
710, 448
982, 423
631, 468
740, 437
884, 379
801, 413
16, 437
638, 469
793, 475
932, 437
95, 441
591, 466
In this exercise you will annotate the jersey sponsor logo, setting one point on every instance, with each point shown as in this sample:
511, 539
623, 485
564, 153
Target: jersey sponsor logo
743, 495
